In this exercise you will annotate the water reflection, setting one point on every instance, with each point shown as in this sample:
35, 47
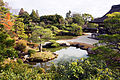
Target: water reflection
70, 53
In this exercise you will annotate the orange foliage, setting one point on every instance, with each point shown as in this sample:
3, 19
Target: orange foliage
6, 26
8, 16
6, 21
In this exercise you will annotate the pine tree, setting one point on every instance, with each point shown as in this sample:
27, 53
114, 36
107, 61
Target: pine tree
34, 16
21, 11
19, 28
40, 35
24, 14
37, 13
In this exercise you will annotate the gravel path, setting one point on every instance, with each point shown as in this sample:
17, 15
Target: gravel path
82, 39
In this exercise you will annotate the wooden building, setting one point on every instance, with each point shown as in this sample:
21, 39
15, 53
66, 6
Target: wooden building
100, 21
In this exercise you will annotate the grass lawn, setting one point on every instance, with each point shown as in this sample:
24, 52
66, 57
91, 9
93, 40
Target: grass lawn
43, 56
55, 49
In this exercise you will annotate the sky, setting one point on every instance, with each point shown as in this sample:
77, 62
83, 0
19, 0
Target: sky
96, 8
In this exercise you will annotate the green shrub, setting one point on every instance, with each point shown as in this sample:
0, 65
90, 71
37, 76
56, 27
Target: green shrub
21, 45
44, 49
16, 71
20, 61
83, 70
76, 29
110, 56
55, 44
40, 70
30, 51
10, 42
32, 45
7, 46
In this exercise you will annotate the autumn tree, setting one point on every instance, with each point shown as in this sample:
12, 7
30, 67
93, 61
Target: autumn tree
5, 17
7, 24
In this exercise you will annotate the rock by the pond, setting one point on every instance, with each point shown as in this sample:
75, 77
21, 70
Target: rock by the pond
47, 44
81, 45
26, 56
63, 43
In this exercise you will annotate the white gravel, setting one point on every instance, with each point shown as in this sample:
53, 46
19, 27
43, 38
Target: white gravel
82, 39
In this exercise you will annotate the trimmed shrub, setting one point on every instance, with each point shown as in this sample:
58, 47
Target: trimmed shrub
32, 45
30, 51
76, 29
54, 44
21, 45
20, 61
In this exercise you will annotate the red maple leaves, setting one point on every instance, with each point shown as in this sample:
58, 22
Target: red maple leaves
6, 21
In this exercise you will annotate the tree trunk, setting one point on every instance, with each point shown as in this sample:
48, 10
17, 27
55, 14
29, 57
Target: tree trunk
40, 48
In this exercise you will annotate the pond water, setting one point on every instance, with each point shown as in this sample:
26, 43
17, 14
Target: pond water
70, 53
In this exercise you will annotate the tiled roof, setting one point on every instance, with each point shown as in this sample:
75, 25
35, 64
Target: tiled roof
115, 8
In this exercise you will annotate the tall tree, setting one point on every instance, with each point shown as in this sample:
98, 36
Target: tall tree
68, 14
68, 17
21, 11
87, 17
34, 17
37, 13
25, 15
77, 19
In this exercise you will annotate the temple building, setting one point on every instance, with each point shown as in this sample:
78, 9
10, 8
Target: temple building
100, 21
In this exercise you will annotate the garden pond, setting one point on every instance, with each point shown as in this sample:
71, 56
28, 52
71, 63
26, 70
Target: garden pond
65, 54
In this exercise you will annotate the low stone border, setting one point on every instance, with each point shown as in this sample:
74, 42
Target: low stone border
83, 46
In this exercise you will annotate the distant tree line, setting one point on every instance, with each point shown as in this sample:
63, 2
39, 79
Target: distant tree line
61, 26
